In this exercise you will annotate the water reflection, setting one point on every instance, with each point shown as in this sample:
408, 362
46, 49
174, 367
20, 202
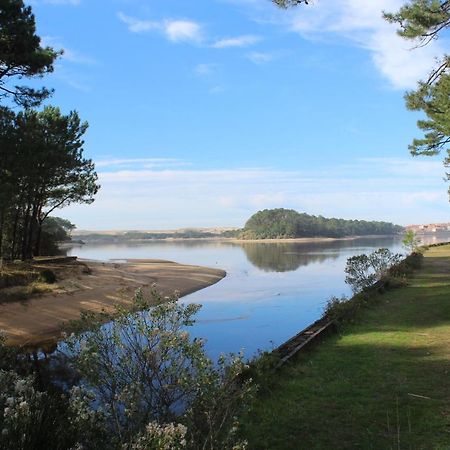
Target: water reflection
282, 257
271, 291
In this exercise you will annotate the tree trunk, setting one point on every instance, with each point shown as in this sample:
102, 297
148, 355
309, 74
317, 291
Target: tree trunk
14, 254
37, 246
26, 234
2, 223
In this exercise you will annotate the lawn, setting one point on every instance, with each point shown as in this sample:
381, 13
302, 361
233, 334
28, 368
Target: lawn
380, 383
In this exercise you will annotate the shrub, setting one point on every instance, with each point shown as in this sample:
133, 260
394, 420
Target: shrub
144, 373
365, 270
411, 242
47, 276
391, 277
145, 384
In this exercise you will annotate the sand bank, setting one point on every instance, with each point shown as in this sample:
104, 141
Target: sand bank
39, 320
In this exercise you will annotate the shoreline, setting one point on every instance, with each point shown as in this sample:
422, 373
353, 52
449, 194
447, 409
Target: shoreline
230, 240
313, 239
39, 321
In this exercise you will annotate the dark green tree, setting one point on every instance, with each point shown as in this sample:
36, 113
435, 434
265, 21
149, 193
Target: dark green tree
57, 174
43, 168
54, 231
422, 21
21, 54
288, 223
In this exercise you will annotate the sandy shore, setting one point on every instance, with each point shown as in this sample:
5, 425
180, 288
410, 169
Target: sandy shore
39, 320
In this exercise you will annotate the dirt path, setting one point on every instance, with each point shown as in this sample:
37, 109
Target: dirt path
39, 320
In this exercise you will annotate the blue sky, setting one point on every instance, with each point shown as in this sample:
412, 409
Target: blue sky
203, 112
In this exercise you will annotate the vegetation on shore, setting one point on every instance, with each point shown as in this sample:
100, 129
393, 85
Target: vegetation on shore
146, 385
382, 382
157, 235
42, 166
283, 223
277, 223
21, 280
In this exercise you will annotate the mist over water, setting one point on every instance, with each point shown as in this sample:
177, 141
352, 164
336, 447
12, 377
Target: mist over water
271, 291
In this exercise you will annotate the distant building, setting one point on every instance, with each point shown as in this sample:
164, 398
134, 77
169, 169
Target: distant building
429, 228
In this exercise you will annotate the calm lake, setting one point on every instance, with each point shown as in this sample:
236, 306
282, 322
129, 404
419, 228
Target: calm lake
271, 291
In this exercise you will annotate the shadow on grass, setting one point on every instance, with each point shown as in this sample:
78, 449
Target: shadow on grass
357, 397
384, 383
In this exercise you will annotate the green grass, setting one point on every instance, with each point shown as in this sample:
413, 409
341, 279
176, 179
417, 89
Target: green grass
381, 383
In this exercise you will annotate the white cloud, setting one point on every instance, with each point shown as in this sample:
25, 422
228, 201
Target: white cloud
238, 41
183, 30
394, 189
260, 57
361, 22
174, 30
137, 25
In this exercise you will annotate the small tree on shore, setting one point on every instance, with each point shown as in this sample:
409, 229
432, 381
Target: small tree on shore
364, 270
411, 242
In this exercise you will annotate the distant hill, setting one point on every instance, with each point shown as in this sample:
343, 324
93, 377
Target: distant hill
139, 235
283, 223
268, 224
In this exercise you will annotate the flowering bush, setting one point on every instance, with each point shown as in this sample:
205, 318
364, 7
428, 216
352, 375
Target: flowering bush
145, 384
143, 373
21, 410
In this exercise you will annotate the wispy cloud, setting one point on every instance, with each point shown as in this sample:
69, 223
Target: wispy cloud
358, 23
205, 69
71, 55
71, 78
141, 163
361, 23
237, 41
173, 30
260, 57
173, 197
57, 2
138, 25
218, 89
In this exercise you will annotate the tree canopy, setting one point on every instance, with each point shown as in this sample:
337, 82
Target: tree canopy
21, 54
287, 223
43, 168
423, 21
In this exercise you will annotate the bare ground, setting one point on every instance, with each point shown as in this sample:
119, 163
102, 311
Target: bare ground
95, 286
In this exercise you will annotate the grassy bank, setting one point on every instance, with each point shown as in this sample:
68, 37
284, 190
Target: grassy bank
381, 383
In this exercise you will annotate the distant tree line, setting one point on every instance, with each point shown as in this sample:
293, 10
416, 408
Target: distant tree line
148, 235
41, 151
286, 223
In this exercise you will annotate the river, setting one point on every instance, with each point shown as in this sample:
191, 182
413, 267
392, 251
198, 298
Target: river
271, 291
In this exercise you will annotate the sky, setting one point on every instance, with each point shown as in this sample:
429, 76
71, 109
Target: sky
204, 112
